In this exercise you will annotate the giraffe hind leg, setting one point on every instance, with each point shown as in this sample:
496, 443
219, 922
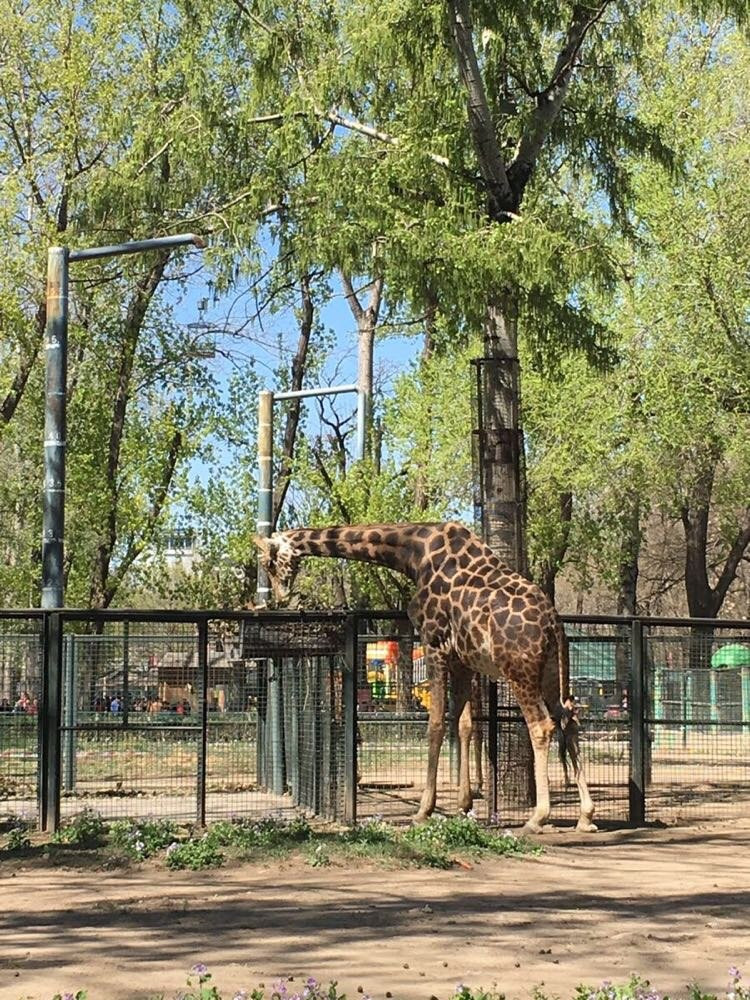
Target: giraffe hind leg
572, 747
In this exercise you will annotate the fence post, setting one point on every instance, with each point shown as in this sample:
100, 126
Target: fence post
49, 724
125, 672
349, 693
745, 694
276, 726
493, 746
70, 713
637, 784
203, 735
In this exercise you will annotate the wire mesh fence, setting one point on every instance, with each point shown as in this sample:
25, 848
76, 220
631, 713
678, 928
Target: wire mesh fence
193, 718
207, 715
394, 698
697, 722
21, 697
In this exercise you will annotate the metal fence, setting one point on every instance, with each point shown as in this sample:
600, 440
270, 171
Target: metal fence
198, 716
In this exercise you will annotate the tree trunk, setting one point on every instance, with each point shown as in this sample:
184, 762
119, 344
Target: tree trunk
367, 321
100, 589
630, 546
299, 367
501, 442
552, 565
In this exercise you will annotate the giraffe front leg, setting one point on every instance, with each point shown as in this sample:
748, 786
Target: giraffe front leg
541, 727
477, 733
435, 733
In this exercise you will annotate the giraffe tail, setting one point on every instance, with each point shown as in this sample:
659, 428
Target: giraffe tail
564, 714
566, 726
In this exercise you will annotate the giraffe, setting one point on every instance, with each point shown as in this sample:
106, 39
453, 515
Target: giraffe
474, 615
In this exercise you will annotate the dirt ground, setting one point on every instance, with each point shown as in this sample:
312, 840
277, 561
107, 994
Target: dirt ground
672, 905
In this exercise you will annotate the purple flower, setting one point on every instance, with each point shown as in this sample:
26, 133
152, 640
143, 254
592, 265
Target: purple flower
68, 996
311, 983
200, 969
734, 972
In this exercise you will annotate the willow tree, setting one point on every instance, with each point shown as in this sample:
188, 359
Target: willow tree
471, 155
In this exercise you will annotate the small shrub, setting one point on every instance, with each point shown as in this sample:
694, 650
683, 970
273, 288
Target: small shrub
268, 832
318, 857
194, 854
371, 832
478, 993
18, 839
463, 833
87, 829
142, 838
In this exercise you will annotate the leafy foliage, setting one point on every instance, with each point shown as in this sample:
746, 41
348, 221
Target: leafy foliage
86, 829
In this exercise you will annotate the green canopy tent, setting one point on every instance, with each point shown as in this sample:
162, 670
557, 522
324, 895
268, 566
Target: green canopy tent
732, 656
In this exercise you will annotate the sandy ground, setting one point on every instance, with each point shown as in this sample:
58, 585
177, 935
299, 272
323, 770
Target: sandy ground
673, 905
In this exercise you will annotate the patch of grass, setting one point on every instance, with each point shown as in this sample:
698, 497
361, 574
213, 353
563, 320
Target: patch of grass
463, 835
438, 843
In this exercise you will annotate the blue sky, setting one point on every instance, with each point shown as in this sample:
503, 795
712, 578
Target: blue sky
274, 337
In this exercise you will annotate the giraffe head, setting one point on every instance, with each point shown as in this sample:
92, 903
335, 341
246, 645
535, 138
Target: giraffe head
280, 560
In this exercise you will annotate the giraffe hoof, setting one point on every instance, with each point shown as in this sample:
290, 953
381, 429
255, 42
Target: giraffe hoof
586, 826
532, 827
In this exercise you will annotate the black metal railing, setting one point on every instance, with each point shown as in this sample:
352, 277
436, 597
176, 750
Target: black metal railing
202, 715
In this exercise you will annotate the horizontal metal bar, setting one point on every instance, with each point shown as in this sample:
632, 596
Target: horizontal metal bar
694, 723
113, 727
222, 614
137, 246
657, 622
333, 390
177, 617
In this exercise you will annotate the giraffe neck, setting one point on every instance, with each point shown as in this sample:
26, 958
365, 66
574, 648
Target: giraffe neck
396, 546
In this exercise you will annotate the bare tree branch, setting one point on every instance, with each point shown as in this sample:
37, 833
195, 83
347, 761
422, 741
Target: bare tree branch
489, 157
549, 101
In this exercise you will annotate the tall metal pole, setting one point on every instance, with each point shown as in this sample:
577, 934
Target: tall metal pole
265, 483
56, 353
56, 356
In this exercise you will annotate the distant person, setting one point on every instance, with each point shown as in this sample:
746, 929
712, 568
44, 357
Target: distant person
115, 705
22, 704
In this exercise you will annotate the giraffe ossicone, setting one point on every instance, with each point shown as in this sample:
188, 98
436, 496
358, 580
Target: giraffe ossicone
473, 614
